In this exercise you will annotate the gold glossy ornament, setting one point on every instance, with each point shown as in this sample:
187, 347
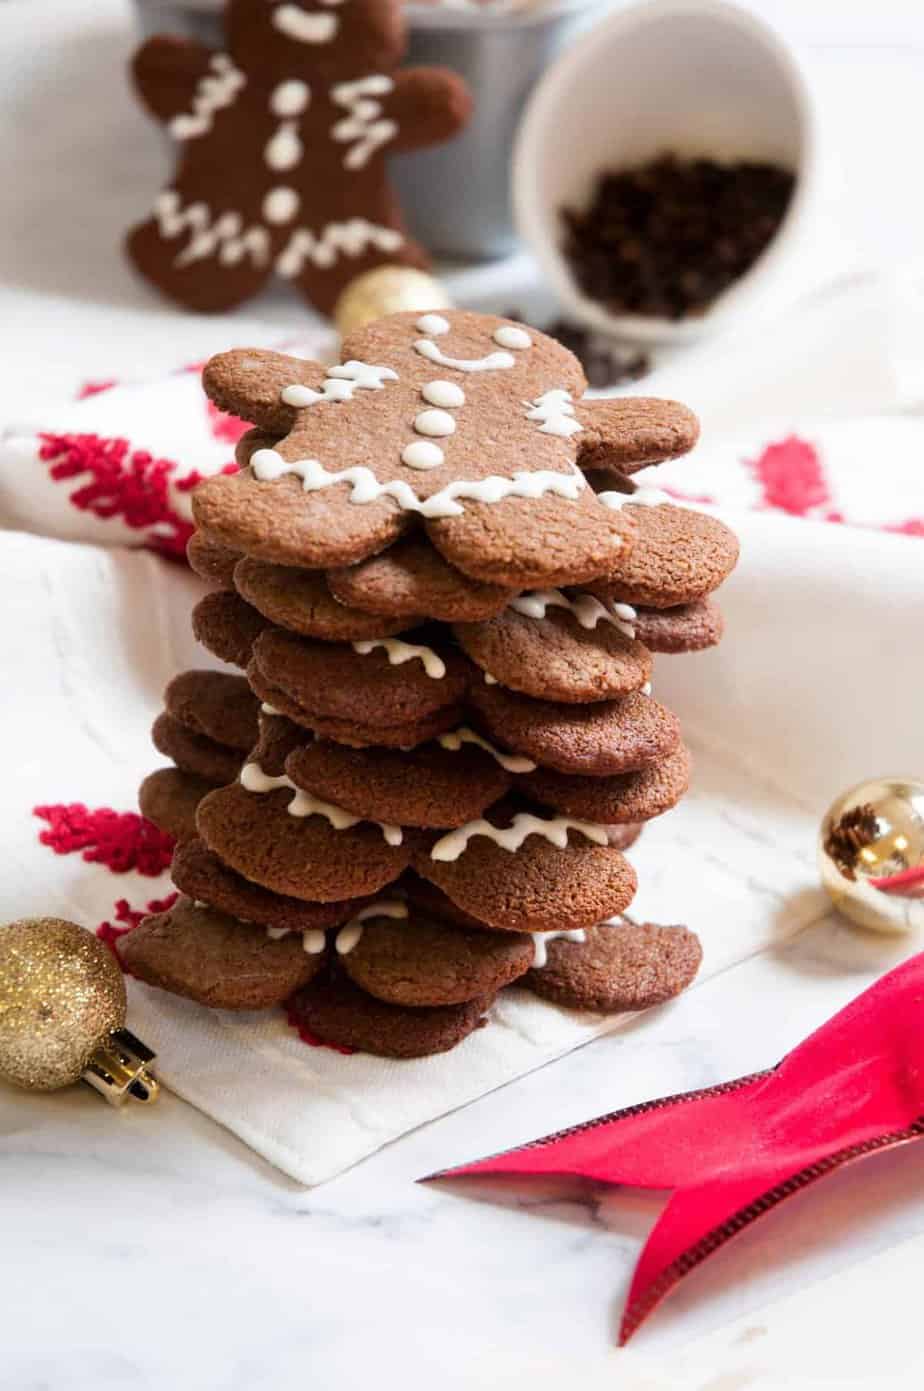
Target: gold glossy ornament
62, 1013
871, 854
388, 290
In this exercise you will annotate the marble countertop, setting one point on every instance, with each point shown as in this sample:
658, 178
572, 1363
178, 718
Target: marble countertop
149, 1249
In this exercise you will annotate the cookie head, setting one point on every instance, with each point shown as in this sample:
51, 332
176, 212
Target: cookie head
286, 37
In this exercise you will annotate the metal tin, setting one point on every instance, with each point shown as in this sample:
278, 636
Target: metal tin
456, 196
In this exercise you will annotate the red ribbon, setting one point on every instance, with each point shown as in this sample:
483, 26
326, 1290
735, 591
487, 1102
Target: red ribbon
732, 1152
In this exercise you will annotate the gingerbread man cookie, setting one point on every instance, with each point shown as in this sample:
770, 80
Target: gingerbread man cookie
283, 141
463, 424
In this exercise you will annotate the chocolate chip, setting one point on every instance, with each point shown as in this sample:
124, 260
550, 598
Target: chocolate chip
666, 238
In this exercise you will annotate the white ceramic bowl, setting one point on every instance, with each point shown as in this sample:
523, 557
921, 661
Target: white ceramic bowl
697, 77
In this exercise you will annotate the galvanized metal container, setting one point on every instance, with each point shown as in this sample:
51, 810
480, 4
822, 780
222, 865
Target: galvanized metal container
457, 195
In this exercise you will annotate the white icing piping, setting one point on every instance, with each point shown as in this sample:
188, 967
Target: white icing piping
362, 124
340, 384
423, 455
399, 652
541, 942
215, 91
493, 362
642, 497
303, 26
303, 803
513, 763
224, 235
351, 238
451, 846
490, 680
313, 939
510, 336
586, 608
349, 935
268, 709
268, 465
433, 324
555, 412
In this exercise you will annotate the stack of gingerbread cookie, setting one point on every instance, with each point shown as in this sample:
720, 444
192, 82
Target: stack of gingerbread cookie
445, 591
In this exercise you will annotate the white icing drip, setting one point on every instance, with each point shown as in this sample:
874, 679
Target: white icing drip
303, 803
284, 149
555, 411
363, 124
298, 24
281, 205
214, 91
313, 939
290, 98
445, 394
494, 362
646, 689
586, 608
269, 709
225, 235
351, 238
433, 324
508, 336
340, 384
399, 652
513, 763
490, 680
541, 941
349, 935
421, 454
268, 465
511, 837
437, 423
642, 497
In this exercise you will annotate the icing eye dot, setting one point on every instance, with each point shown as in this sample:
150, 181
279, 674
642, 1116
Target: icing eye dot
433, 324
280, 205
443, 394
437, 423
423, 455
290, 98
509, 337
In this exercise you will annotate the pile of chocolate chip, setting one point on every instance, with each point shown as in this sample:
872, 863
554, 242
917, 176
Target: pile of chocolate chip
665, 239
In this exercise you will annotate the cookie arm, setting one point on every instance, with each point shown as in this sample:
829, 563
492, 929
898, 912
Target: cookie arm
428, 105
249, 382
628, 433
166, 73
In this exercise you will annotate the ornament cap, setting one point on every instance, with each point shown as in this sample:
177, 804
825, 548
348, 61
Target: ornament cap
118, 1070
387, 290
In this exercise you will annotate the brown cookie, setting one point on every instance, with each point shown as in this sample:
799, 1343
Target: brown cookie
631, 432
215, 704
554, 657
227, 627
686, 628
617, 800
679, 556
278, 737
538, 887
615, 736
202, 876
428, 786
624, 837
411, 578
419, 961
625, 966
215, 960
421, 894
336, 1011
388, 682
300, 601
194, 753
249, 443
298, 856
400, 736
211, 560
169, 798
500, 495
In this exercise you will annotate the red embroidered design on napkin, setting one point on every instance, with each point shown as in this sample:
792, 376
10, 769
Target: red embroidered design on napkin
121, 840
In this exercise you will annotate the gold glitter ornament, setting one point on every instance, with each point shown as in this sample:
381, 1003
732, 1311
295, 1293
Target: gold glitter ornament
387, 290
871, 854
62, 1013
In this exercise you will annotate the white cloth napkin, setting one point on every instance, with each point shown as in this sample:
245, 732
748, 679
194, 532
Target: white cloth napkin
817, 685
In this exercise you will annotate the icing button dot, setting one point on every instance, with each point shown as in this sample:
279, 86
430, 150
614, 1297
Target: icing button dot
441, 393
432, 323
507, 336
434, 422
421, 454
290, 98
281, 205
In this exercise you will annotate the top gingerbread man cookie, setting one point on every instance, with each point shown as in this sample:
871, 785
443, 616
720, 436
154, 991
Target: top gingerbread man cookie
468, 425
283, 141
